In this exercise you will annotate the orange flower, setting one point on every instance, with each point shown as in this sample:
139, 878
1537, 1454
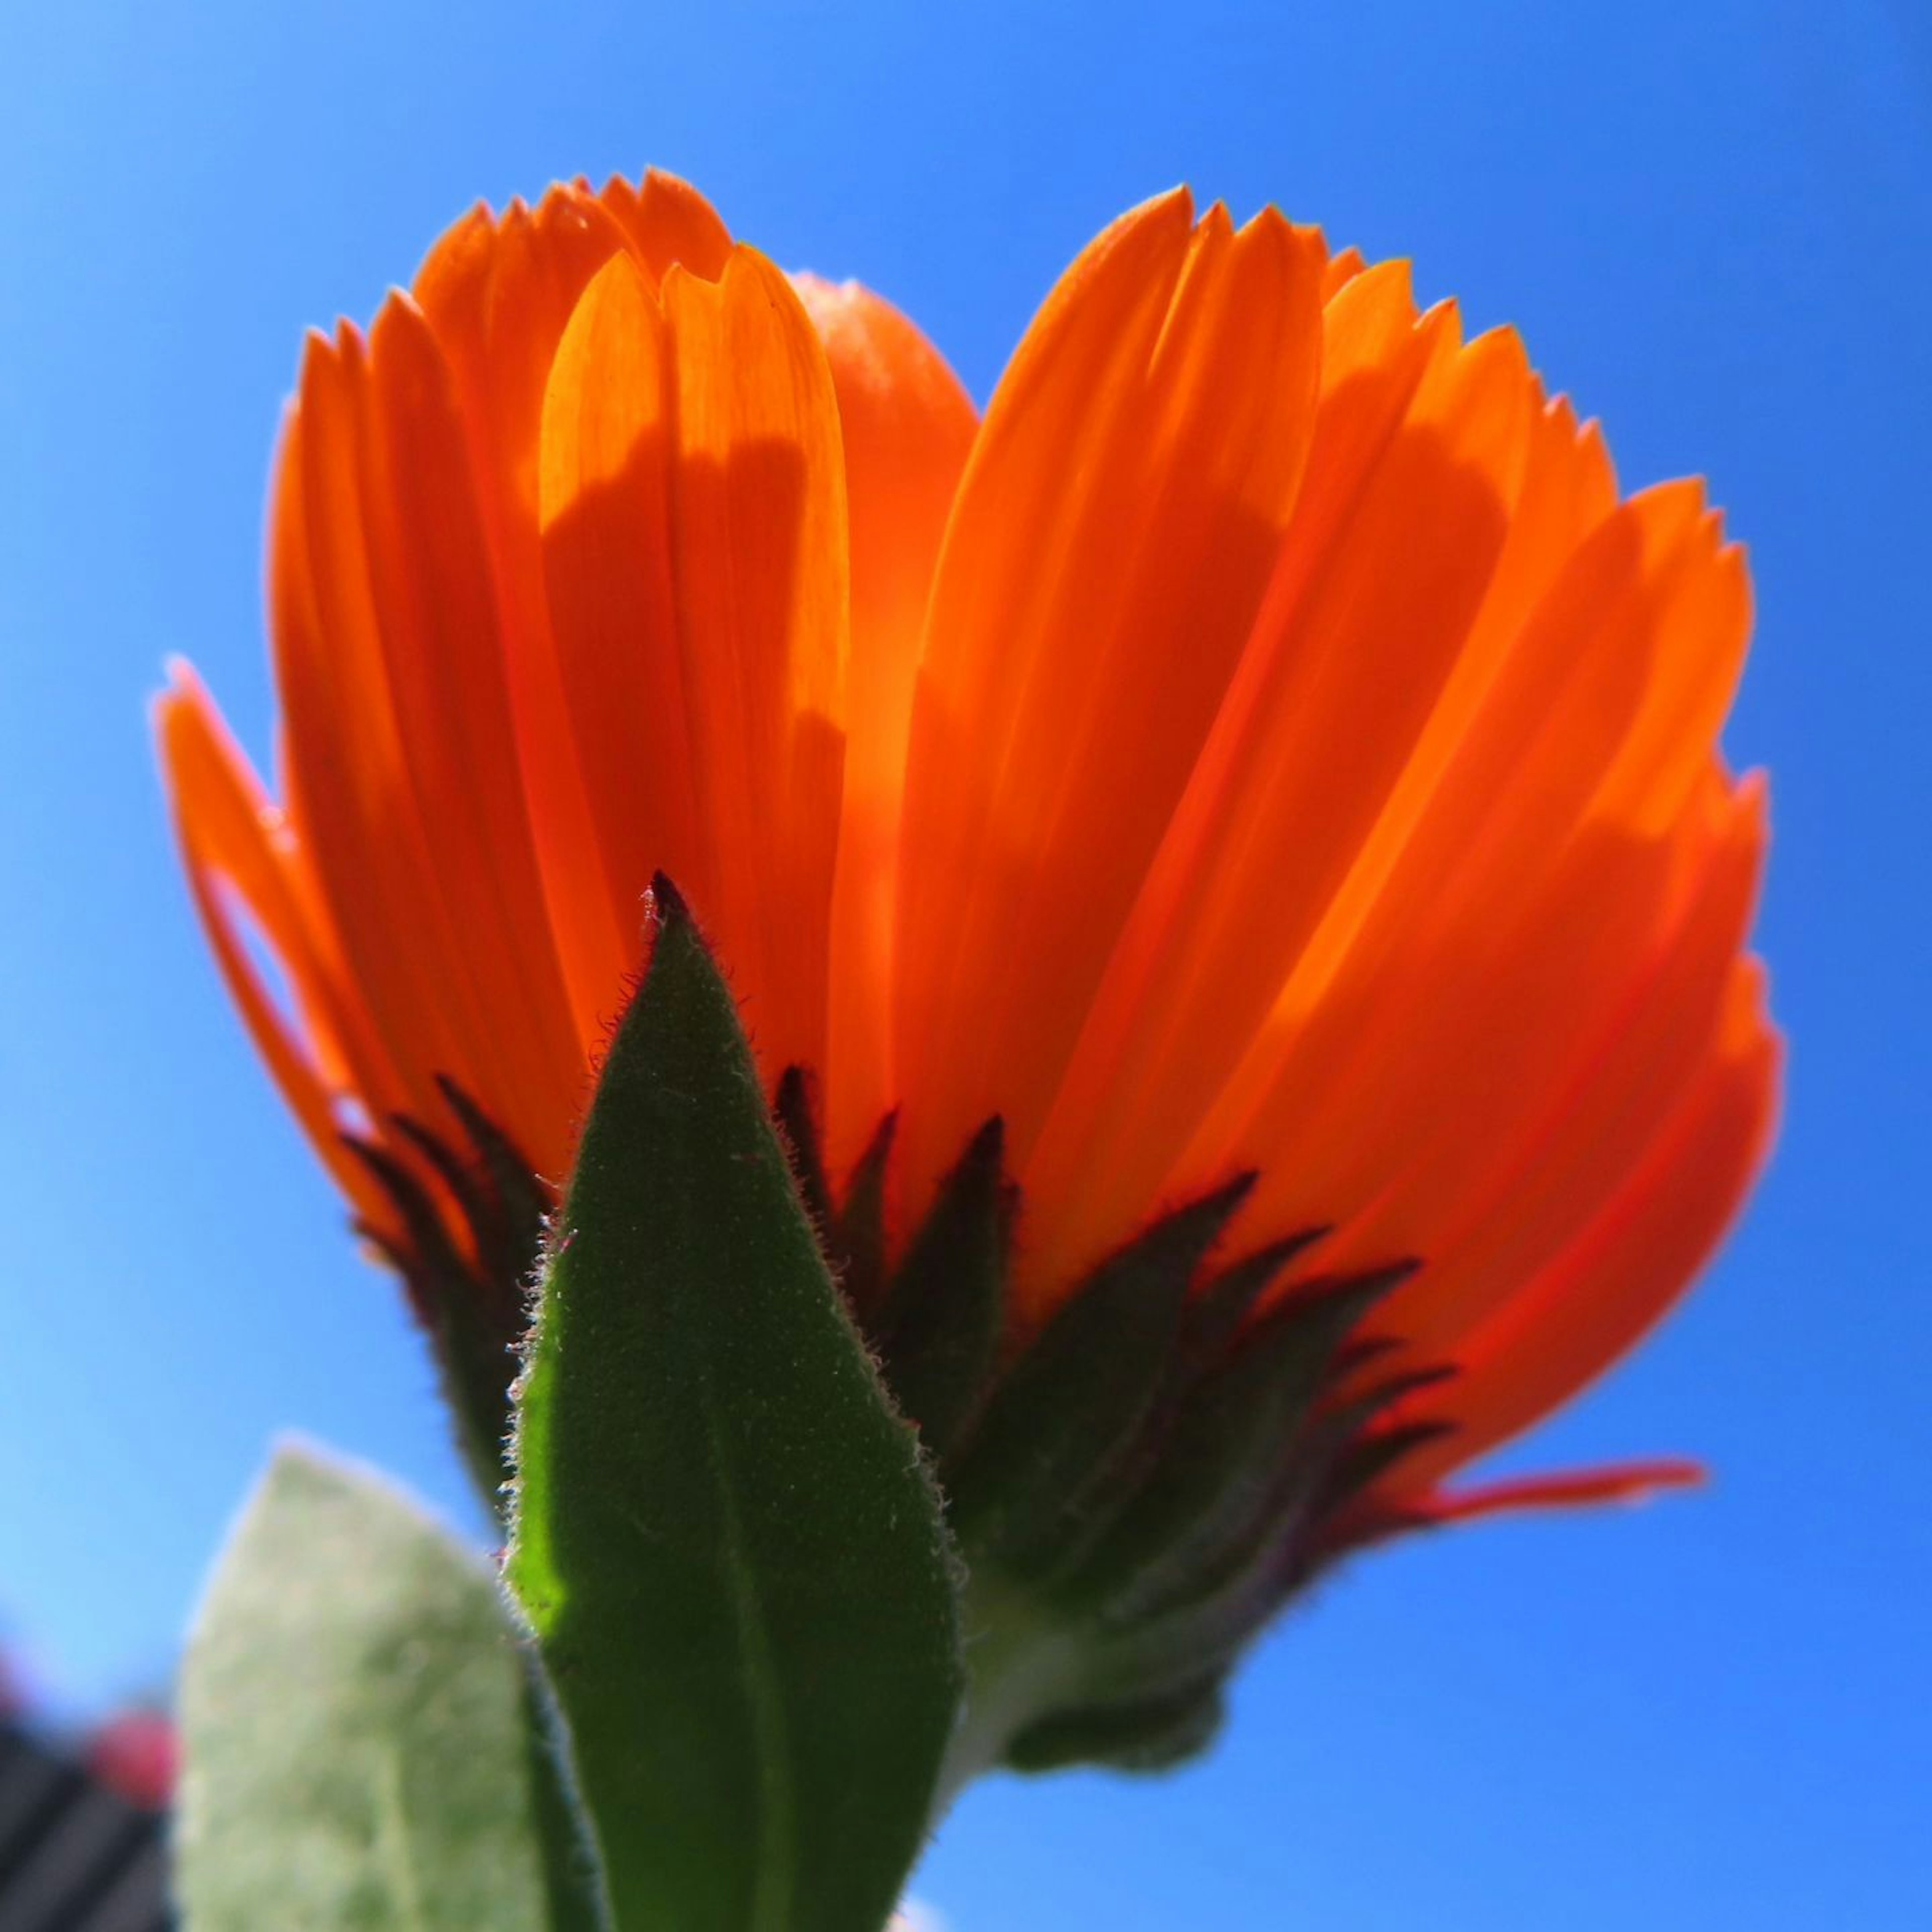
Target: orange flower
1265, 741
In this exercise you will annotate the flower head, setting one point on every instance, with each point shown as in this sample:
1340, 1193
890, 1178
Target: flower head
1260, 780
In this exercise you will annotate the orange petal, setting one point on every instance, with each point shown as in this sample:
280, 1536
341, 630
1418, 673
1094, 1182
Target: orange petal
1503, 918
441, 843
1418, 453
236, 847
1626, 1268
499, 296
1117, 527
668, 222
445, 648
907, 426
1566, 1100
1496, 920
608, 455
1566, 1488
345, 778
694, 548
1378, 1516
1344, 266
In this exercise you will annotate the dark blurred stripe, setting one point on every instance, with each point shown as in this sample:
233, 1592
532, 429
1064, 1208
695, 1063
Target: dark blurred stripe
74, 1855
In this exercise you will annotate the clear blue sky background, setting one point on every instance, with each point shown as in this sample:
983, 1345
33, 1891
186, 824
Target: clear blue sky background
1712, 223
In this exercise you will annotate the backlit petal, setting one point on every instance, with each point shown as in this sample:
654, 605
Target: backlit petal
1342, 673
238, 855
694, 551
1623, 1270
1119, 521
907, 426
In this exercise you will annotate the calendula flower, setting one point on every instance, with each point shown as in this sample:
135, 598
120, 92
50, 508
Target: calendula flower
1259, 781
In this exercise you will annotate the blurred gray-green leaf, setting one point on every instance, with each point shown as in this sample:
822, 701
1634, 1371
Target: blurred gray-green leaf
366, 1745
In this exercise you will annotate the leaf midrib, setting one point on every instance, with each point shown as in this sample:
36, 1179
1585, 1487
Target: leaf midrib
775, 1866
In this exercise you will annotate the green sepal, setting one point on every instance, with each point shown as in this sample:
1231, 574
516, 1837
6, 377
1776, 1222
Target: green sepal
1217, 1310
1215, 1608
1073, 1405
474, 1309
794, 1108
858, 1227
1212, 1315
1145, 1736
473, 1346
725, 1537
1372, 1455
512, 1203
938, 1333
851, 1228
366, 1742
1208, 1489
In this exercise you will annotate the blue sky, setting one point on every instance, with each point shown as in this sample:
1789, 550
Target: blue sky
1713, 224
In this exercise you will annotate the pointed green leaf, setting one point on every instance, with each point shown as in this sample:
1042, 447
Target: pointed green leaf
366, 1743
725, 1537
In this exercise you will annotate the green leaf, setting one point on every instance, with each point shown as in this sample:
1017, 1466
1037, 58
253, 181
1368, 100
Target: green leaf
724, 1534
367, 1745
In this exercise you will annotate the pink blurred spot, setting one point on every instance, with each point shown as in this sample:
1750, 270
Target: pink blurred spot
135, 1754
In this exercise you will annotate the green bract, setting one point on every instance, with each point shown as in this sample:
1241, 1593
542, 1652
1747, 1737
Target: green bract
724, 1534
